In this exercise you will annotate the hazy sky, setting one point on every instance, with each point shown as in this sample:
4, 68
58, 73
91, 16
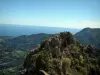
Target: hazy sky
53, 13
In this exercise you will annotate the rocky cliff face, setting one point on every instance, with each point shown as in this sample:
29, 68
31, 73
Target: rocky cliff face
62, 54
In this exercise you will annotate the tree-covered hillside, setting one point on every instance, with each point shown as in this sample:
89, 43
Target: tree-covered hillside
62, 54
89, 36
13, 51
10, 60
58, 54
26, 42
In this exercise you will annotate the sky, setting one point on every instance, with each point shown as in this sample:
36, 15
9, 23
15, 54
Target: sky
51, 13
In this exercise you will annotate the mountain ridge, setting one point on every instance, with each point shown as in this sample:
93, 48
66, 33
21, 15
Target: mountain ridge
89, 36
62, 54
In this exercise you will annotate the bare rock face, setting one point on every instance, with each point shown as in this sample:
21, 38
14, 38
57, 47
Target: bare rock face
62, 54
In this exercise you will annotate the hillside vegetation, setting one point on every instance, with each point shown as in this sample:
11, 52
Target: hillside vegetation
26, 42
61, 54
89, 36
13, 51
10, 60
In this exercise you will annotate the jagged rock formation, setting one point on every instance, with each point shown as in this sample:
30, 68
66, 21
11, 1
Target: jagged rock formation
62, 55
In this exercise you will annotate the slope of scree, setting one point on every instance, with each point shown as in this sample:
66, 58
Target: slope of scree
62, 54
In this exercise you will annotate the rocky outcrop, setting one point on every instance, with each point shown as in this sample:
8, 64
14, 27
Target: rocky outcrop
62, 54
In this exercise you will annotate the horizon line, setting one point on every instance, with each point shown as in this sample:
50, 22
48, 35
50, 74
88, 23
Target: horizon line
44, 26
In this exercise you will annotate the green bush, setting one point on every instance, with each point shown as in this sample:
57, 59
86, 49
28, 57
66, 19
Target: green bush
81, 59
75, 48
66, 62
43, 61
82, 69
57, 66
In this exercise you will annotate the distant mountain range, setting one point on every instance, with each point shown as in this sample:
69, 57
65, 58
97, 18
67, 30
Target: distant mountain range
17, 30
14, 48
89, 36
26, 42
